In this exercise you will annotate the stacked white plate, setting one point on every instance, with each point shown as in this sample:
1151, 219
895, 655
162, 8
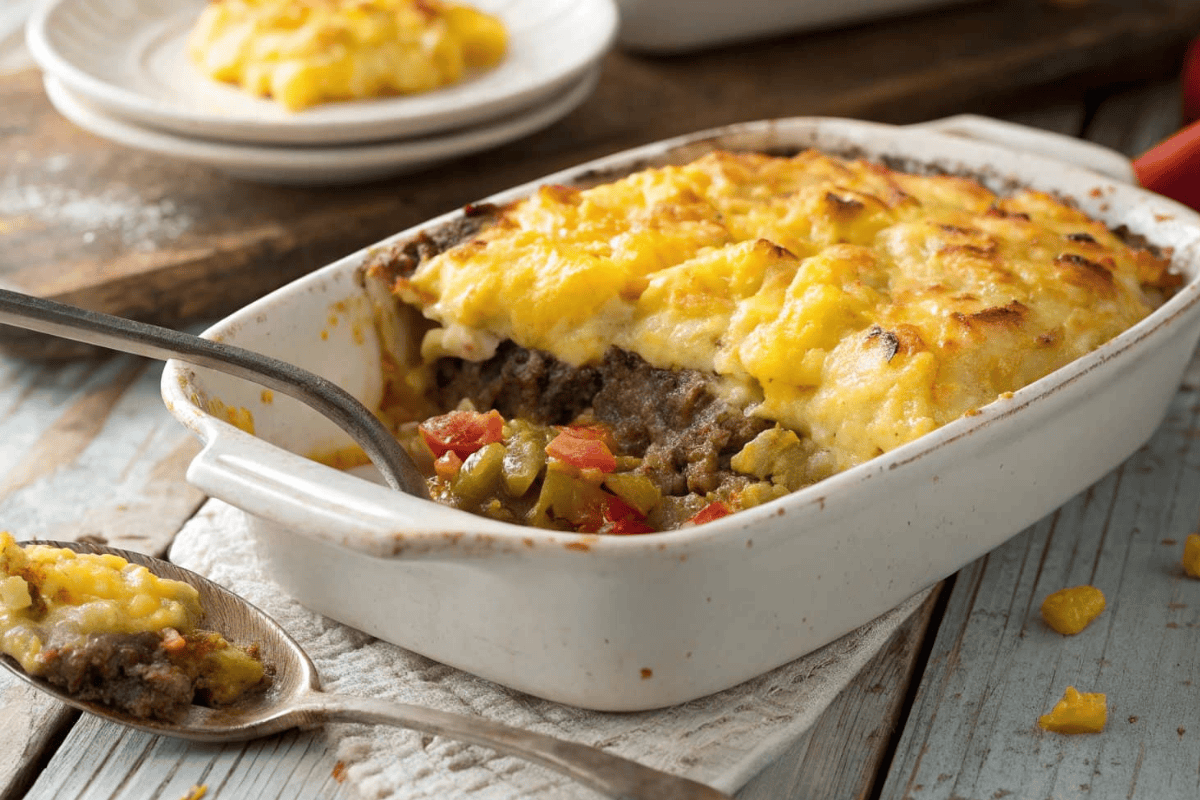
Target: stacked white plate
120, 69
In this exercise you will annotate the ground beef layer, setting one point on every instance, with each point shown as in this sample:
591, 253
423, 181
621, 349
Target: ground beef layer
672, 419
128, 672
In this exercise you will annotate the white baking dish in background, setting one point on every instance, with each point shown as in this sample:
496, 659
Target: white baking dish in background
625, 623
669, 26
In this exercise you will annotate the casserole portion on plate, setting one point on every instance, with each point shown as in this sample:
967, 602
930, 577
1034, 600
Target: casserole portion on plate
637, 622
301, 52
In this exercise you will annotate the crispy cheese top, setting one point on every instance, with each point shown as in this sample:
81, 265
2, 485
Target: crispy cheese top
855, 304
303, 52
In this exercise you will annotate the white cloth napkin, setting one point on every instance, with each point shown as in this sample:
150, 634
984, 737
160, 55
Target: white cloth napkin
722, 740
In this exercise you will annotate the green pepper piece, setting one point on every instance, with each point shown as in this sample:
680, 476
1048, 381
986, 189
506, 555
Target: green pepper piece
480, 473
565, 496
524, 459
637, 490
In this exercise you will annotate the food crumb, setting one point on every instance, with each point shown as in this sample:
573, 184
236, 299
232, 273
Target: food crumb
647, 673
339, 771
1077, 712
1069, 611
1191, 555
196, 792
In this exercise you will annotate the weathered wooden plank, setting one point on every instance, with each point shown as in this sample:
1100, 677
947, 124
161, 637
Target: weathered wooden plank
866, 713
30, 723
104, 760
87, 449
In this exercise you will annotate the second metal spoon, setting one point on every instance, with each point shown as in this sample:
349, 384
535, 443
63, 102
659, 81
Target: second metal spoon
143, 339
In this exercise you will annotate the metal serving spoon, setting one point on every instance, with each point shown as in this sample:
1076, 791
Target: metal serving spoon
295, 700
140, 338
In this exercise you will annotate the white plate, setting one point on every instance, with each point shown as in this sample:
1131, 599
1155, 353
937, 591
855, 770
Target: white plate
318, 165
128, 58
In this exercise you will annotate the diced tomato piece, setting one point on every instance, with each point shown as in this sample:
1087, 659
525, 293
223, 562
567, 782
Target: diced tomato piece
582, 453
462, 432
447, 465
613, 515
714, 510
593, 430
616, 509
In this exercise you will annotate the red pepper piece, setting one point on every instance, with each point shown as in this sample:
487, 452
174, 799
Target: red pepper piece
714, 510
614, 516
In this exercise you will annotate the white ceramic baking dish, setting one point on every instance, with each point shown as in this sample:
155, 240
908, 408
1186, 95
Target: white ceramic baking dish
623, 623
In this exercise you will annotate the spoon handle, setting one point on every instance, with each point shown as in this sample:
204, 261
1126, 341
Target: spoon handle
143, 339
611, 775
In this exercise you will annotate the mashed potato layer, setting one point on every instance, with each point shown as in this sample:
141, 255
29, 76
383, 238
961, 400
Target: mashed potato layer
854, 304
304, 52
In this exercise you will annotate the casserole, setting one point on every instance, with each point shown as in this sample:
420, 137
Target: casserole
626, 623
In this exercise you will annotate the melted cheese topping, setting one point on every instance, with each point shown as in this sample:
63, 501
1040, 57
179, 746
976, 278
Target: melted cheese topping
856, 305
303, 52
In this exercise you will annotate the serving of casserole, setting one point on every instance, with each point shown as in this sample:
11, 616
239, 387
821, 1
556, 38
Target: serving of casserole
890, 350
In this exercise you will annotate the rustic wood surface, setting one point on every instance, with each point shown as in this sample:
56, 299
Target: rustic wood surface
117, 230
86, 448
867, 714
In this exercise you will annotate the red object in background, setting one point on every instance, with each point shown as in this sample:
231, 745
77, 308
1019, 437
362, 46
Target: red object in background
1172, 167
1191, 83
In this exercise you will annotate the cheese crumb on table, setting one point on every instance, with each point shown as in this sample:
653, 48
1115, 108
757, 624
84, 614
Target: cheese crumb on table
1191, 555
1069, 611
1077, 712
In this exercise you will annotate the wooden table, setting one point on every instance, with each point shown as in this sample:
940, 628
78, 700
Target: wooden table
947, 711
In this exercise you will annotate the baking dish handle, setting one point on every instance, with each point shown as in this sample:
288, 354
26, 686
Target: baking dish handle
323, 503
1058, 146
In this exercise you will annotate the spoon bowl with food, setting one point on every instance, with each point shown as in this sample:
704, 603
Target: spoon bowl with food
69, 602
